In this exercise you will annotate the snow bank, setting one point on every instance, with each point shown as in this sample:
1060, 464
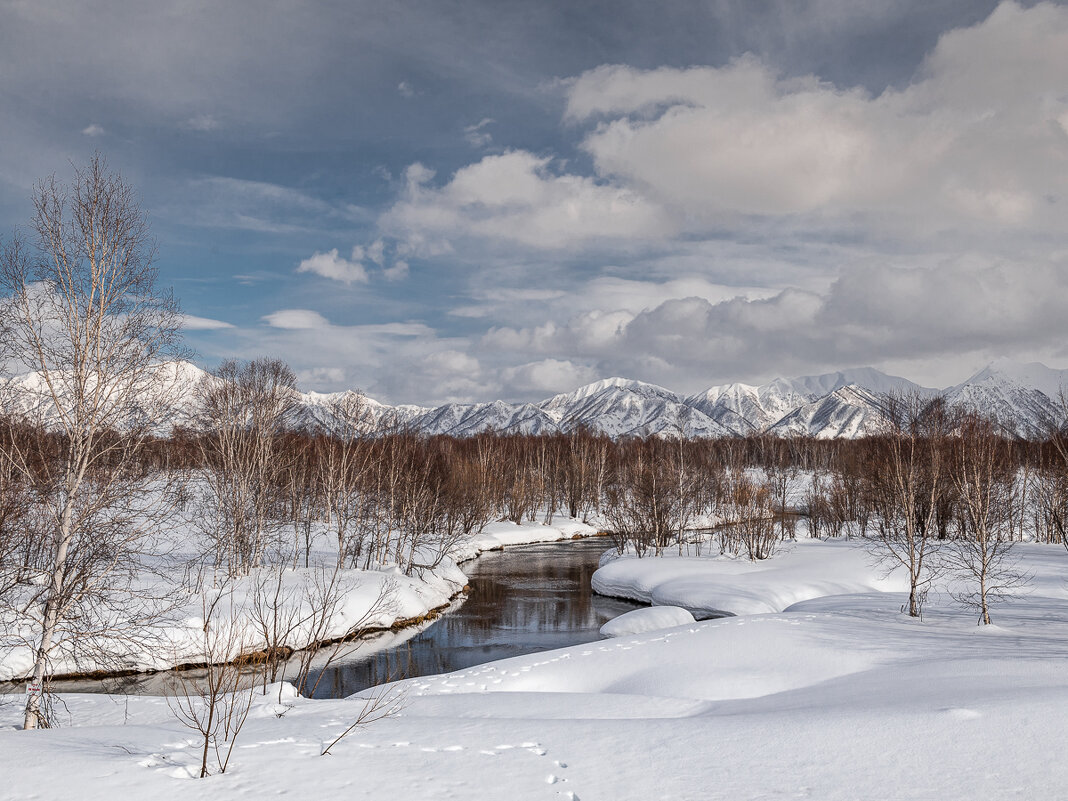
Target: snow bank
717, 586
504, 533
640, 621
368, 599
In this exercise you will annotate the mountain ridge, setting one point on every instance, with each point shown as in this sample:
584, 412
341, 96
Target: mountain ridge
1023, 397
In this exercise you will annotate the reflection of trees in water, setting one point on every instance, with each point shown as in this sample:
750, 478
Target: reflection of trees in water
522, 601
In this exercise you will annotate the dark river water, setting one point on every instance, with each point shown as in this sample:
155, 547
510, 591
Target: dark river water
523, 600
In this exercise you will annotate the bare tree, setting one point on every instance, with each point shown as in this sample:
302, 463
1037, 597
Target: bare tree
215, 704
984, 474
1053, 478
782, 475
83, 313
343, 457
907, 474
755, 529
245, 408
378, 703
648, 503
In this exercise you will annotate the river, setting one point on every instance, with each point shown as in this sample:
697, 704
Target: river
522, 600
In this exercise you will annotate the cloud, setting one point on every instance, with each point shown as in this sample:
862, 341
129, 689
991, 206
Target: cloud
398, 272
202, 122
501, 302
517, 197
967, 144
331, 265
546, 377
476, 136
191, 322
964, 149
404, 89
320, 377
298, 319
394, 362
871, 315
93, 130
259, 206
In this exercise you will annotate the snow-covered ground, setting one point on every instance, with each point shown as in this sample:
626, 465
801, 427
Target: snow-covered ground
827, 692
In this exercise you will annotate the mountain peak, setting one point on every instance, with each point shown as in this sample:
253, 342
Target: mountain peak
597, 387
1032, 375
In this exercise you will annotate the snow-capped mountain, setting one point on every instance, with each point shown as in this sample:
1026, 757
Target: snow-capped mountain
465, 420
745, 409
1024, 398
847, 412
620, 407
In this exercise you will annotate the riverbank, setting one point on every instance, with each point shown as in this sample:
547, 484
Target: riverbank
834, 697
359, 602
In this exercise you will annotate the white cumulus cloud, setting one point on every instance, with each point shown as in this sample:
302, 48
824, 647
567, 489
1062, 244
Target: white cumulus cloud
331, 265
296, 319
518, 197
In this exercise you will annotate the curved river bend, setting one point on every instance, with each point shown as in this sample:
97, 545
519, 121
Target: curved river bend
522, 600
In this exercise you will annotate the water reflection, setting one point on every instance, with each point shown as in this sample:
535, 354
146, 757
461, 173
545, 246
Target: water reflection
523, 600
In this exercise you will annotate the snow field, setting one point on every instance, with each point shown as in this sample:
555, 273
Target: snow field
833, 695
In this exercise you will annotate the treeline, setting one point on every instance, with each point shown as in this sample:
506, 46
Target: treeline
259, 489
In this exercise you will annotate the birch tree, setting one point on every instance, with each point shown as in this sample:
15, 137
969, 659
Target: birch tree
83, 314
245, 407
908, 478
985, 476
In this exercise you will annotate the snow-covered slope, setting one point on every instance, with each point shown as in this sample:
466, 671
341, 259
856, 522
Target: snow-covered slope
1022, 398
746, 409
465, 420
619, 407
166, 397
847, 412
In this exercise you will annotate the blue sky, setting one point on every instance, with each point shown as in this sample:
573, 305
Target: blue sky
438, 201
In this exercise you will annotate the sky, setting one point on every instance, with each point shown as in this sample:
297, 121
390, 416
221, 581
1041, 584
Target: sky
459, 200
